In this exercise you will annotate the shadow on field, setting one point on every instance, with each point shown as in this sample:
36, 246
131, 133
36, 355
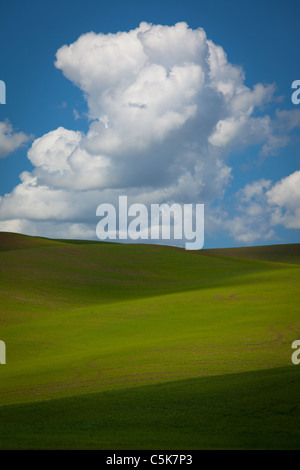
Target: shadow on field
253, 410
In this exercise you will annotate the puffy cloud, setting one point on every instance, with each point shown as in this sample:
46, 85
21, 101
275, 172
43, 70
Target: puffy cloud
241, 130
10, 140
254, 191
165, 109
262, 206
60, 161
284, 196
251, 220
157, 97
286, 193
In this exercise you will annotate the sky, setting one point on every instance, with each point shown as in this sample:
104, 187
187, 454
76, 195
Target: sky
166, 101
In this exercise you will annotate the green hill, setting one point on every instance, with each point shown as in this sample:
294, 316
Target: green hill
112, 328
15, 241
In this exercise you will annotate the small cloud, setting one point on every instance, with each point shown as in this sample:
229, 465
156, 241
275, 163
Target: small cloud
62, 105
76, 114
10, 140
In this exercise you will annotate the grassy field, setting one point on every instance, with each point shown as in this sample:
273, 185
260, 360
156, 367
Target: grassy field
116, 346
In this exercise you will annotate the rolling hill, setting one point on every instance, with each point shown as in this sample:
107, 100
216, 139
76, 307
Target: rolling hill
138, 346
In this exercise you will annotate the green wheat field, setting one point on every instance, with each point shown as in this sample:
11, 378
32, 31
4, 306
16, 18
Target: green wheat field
117, 346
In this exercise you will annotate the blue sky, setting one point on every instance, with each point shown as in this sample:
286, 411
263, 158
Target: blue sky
262, 37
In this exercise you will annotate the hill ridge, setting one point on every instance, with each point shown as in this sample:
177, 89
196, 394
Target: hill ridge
282, 253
